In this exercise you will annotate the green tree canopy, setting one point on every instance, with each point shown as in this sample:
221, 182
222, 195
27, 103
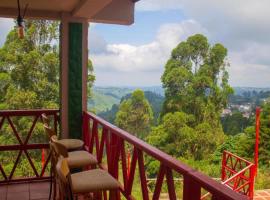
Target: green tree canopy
135, 114
196, 80
196, 90
30, 67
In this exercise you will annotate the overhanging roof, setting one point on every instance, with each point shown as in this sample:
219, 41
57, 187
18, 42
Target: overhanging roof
105, 11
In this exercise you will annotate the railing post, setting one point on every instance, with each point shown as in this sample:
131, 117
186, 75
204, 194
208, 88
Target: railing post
257, 138
192, 189
252, 173
223, 171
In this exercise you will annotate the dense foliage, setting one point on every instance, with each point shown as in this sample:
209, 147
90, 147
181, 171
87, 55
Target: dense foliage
29, 79
135, 115
29, 68
155, 101
196, 90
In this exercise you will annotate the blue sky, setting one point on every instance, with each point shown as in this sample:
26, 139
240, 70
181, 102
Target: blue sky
135, 55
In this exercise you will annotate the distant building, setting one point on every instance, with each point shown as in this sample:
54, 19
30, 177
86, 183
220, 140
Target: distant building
226, 112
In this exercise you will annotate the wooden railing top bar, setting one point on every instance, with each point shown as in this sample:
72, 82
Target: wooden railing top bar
214, 187
242, 159
29, 112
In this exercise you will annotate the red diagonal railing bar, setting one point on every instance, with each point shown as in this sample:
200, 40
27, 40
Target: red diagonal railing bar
3, 172
159, 182
94, 130
97, 140
22, 147
232, 172
132, 172
170, 184
108, 150
14, 131
238, 180
102, 143
45, 165
15, 164
31, 130
2, 122
124, 163
203, 181
31, 163
142, 175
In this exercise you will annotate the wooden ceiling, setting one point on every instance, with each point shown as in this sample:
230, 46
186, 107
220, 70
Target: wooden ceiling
104, 11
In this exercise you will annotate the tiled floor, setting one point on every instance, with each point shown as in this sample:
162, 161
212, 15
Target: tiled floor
262, 195
25, 191
40, 191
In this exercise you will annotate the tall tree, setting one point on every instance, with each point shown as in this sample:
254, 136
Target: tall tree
196, 87
31, 66
196, 80
135, 114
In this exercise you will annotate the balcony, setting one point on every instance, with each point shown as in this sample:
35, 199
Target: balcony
110, 145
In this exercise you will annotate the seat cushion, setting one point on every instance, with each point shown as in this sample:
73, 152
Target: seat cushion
93, 180
79, 159
72, 144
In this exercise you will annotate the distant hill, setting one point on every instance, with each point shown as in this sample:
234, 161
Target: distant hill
241, 90
105, 97
154, 99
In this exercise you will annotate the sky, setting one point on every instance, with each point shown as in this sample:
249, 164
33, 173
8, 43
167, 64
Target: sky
135, 55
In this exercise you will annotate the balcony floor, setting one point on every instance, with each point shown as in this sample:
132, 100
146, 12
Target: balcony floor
25, 191
40, 191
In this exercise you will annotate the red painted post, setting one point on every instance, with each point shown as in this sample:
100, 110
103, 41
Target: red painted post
192, 189
252, 180
223, 170
257, 138
128, 163
42, 158
159, 182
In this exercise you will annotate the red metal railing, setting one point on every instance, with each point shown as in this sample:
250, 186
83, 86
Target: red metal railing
238, 174
108, 142
21, 144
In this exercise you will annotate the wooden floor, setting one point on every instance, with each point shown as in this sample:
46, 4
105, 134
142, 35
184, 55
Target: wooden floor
25, 191
40, 191
262, 195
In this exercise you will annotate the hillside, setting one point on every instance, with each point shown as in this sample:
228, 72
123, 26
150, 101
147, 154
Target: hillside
154, 99
105, 97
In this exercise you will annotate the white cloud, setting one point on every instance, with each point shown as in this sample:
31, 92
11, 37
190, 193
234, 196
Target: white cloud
147, 57
5, 26
155, 5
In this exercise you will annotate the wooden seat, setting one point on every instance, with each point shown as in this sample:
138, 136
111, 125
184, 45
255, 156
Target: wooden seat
70, 144
75, 159
93, 180
96, 180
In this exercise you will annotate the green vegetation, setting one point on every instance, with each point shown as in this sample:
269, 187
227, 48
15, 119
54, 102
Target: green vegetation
196, 90
29, 79
135, 115
185, 123
104, 98
155, 100
235, 123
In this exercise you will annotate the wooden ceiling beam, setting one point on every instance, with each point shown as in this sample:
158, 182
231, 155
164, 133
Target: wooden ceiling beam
30, 14
78, 7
